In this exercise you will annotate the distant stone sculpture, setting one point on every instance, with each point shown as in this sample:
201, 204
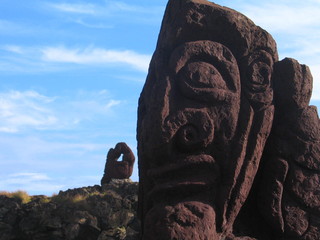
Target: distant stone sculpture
208, 170
118, 169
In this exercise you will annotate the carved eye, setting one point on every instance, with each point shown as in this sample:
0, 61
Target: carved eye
206, 71
202, 75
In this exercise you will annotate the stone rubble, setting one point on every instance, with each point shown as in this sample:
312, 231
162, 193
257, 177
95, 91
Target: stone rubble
106, 212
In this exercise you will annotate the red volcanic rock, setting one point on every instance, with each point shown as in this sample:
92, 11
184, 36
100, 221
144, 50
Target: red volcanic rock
178, 221
228, 145
118, 169
294, 147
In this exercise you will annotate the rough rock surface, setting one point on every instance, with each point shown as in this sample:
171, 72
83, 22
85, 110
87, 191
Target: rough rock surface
88, 213
228, 145
115, 169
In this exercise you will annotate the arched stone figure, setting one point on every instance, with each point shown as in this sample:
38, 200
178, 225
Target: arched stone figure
118, 169
204, 116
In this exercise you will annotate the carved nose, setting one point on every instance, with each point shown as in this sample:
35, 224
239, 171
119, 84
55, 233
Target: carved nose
196, 134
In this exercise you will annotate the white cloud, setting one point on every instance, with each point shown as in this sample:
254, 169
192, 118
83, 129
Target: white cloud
112, 103
308, 48
92, 25
29, 94
40, 59
137, 79
75, 8
116, 6
24, 109
109, 8
94, 56
44, 164
95, 15
27, 176
30, 182
30, 110
13, 48
285, 18
8, 129
123, 6
57, 152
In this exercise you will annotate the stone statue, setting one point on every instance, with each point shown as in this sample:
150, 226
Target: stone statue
118, 169
208, 168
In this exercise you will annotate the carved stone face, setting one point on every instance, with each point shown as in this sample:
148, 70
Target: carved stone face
201, 132
200, 113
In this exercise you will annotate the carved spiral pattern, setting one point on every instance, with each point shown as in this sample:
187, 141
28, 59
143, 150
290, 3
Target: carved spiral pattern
258, 78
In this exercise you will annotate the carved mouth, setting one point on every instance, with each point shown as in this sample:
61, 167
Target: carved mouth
186, 177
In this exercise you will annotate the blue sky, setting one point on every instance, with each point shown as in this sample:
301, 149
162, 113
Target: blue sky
71, 73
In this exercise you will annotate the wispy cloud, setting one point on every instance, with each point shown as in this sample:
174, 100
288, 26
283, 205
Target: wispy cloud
92, 25
98, 13
137, 79
51, 58
107, 9
25, 109
30, 110
96, 56
290, 18
30, 182
117, 6
17, 177
48, 164
307, 47
84, 8
13, 48
55, 152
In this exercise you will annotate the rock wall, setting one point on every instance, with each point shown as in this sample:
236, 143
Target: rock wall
88, 213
